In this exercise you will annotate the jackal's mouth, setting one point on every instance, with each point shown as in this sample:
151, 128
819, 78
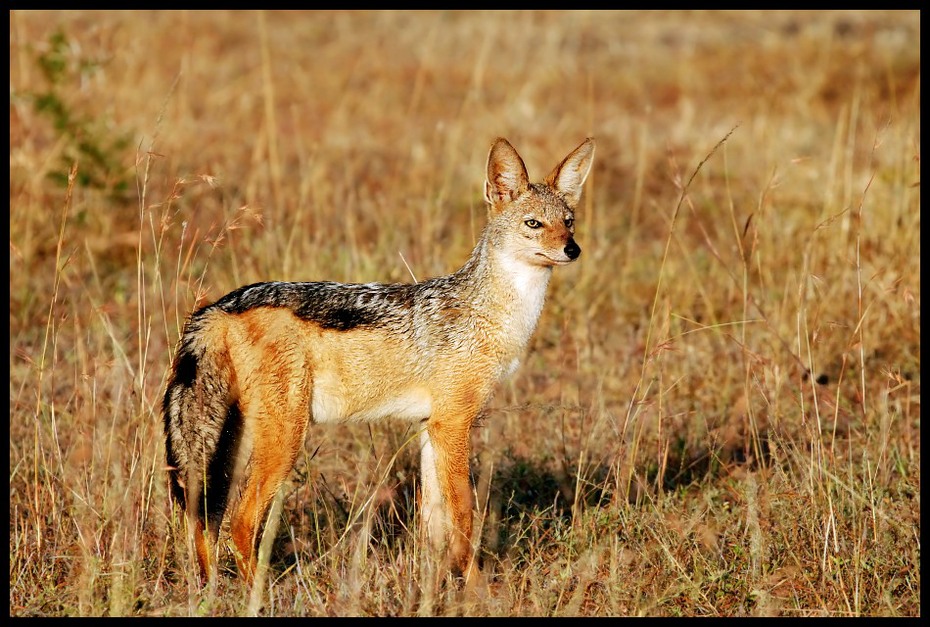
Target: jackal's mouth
554, 262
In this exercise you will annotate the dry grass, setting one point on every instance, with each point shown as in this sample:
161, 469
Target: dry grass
719, 413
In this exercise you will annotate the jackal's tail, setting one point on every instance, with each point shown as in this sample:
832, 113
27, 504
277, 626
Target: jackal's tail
203, 427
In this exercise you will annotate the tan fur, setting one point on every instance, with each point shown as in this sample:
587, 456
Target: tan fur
255, 368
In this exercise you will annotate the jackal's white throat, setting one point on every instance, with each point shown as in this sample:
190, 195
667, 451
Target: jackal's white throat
529, 282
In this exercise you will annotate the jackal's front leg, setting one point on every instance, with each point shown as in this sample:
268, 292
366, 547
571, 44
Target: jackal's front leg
446, 501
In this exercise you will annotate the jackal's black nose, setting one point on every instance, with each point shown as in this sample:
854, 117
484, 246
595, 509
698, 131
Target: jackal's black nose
572, 250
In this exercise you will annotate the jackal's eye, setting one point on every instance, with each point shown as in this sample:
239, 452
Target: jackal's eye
533, 224
569, 222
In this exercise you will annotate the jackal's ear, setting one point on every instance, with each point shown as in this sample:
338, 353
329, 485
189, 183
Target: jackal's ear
568, 177
507, 177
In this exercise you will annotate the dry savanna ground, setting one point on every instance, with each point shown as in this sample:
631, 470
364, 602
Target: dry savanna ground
719, 413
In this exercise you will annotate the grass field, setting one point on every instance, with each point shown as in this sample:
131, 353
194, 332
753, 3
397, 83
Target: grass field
719, 413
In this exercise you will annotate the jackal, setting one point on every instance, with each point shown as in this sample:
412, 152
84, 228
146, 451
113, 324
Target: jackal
256, 367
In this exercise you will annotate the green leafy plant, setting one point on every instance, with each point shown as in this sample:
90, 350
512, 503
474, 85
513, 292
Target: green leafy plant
88, 141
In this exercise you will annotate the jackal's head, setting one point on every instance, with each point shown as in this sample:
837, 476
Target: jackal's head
534, 223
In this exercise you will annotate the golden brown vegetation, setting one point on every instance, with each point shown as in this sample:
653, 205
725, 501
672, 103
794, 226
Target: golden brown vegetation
719, 413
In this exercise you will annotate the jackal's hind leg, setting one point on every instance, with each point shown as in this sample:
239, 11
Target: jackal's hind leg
277, 440
204, 544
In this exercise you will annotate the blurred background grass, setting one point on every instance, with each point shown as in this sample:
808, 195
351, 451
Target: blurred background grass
719, 413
